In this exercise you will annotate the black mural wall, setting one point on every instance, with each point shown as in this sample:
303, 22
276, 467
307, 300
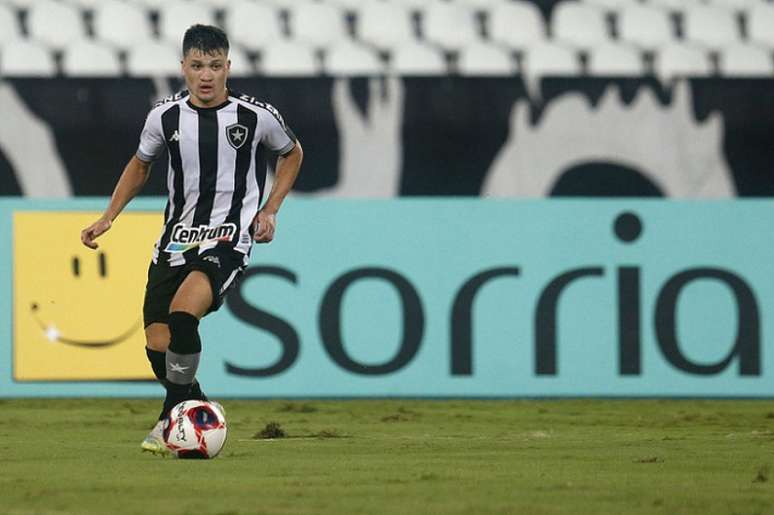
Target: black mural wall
701, 138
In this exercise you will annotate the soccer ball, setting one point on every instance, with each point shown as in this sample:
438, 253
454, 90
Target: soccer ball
195, 430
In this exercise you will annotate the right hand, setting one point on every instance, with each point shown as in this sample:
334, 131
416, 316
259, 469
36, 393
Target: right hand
94, 231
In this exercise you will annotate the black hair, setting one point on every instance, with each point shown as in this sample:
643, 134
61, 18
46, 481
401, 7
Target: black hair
205, 38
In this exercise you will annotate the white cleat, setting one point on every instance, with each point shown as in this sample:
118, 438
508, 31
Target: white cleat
154, 442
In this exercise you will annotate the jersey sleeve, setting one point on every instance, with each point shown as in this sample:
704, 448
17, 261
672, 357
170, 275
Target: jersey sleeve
152, 138
277, 136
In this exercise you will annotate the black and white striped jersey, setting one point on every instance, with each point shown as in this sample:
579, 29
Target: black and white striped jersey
217, 170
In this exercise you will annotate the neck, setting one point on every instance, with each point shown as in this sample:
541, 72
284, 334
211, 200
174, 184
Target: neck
216, 101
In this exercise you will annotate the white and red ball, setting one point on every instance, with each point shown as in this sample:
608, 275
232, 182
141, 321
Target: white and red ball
195, 430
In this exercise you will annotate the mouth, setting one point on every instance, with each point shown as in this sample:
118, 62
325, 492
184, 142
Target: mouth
53, 335
205, 89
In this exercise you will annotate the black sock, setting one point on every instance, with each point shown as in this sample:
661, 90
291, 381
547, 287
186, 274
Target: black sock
158, 361
182, 359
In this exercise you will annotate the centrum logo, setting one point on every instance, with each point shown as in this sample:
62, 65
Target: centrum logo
185, 238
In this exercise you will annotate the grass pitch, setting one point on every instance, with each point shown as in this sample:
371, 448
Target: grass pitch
400, 456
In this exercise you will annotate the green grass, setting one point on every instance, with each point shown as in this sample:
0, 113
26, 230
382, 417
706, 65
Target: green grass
400, 456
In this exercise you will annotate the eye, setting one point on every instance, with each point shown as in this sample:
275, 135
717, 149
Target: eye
76, 266
102, 264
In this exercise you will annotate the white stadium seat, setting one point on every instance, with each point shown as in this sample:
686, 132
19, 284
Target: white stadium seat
414, 5
253, 25
580, 25
317, 24
9, 26
676, 5
384, 24
347, 59
711, 27
153, 58
738, 5
516, 24
482, 59
86, 58
241, 65
177, 16
84, 4
417, 59
611, 5
646, 27
450, 25
21, 4
284, 4
122, 24
616, 60
745, 61
682, 61
55, 24
550, 59
482, 5
23, 58
351, 5
289, 59
760, 20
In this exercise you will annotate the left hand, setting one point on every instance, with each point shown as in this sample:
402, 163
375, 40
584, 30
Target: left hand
264, 224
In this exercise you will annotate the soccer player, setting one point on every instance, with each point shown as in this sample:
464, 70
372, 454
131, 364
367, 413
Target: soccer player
216, 140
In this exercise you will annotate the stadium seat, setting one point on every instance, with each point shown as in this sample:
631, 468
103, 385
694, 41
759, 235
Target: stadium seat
745, 61
54, 23
153, 58
241, 64
579, 25
679, 60
9, 26
675, 5
175, 18
86, 58
646, 27
24, 58
550, 59
760, 20
317, 24
347, 58
351, 5
245, 17
384, 24
84, 4
615, 60
284, 4
417, 59
289, 59
21, 4
611, 5
121, 24
482, 5
450, 25
480, 59
711, 27
413, 5
737, 5
517, 24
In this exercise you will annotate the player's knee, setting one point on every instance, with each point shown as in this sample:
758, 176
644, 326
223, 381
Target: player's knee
184, 331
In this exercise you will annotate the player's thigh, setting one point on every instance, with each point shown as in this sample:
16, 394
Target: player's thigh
157, 337
194, 296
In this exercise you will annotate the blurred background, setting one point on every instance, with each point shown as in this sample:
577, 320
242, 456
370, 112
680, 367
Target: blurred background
440, 107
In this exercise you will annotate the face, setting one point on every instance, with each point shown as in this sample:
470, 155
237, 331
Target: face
205, 76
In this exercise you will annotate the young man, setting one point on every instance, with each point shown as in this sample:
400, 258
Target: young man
215, 139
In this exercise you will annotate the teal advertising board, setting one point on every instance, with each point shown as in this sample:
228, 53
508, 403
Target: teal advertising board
440, 298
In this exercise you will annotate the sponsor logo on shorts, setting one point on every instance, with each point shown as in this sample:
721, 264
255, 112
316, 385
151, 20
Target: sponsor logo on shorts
185, 238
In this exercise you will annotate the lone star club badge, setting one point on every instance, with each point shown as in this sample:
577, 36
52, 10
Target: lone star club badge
236, 135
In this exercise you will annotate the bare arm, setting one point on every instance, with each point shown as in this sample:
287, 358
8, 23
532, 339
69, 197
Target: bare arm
287, 171
129, 185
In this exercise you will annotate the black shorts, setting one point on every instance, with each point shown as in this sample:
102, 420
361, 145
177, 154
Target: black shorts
223, 266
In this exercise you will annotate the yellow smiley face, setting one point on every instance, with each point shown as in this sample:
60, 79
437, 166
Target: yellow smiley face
77, 312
